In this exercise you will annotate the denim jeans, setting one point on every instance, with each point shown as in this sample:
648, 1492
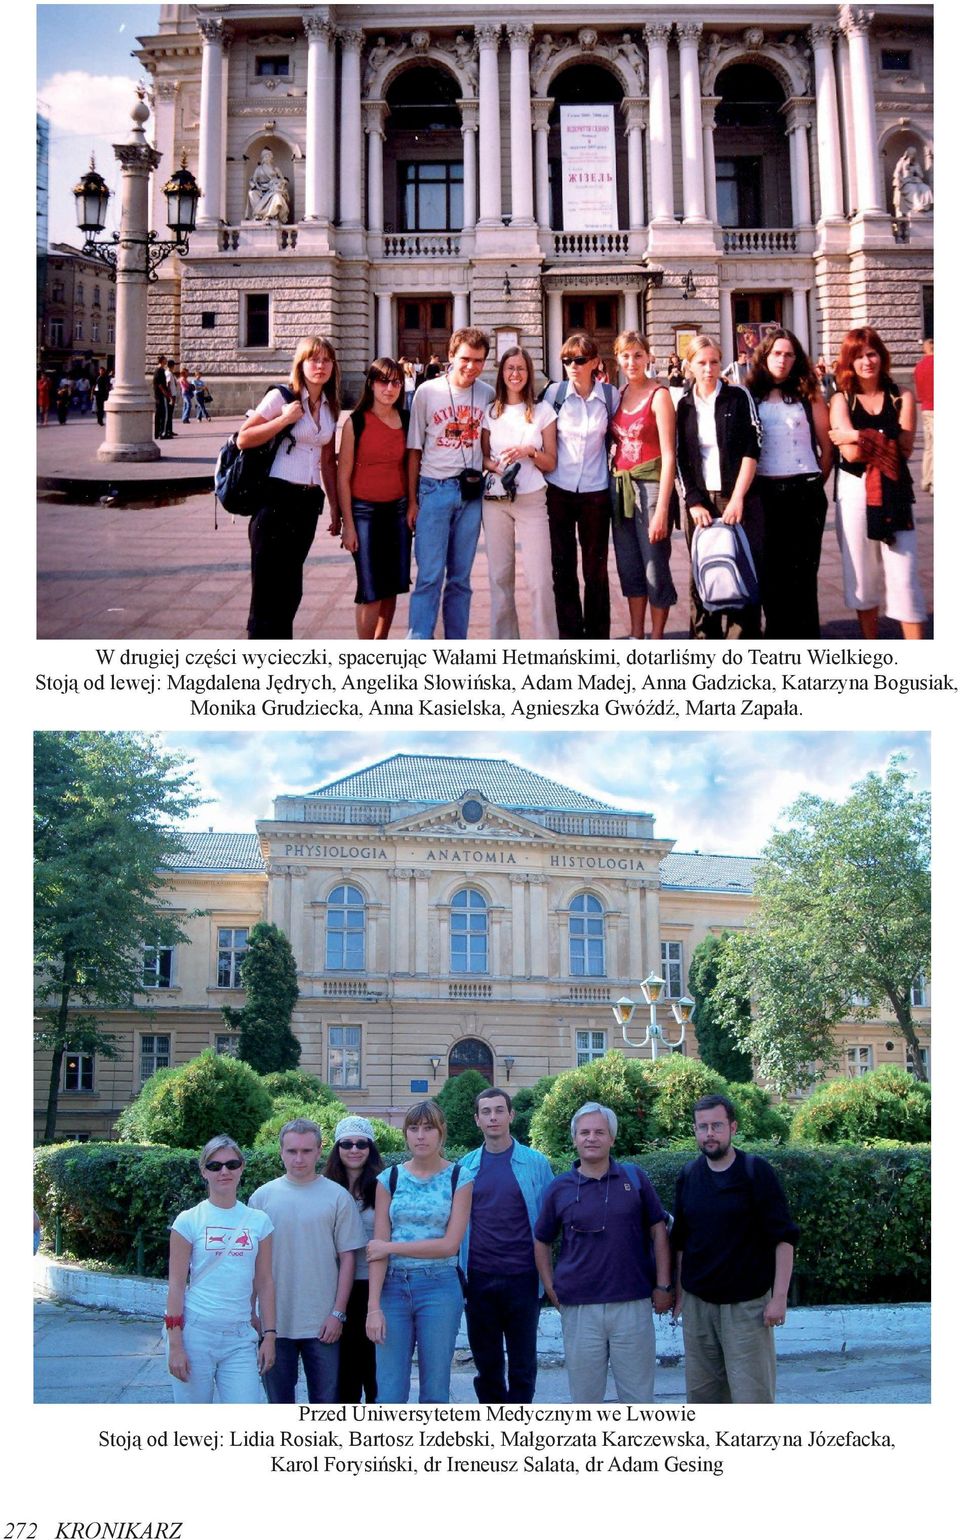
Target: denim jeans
503, 1310
321, 1365
422, 1307
221, 1358
445, 543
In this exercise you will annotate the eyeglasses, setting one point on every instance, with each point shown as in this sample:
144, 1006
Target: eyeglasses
577, 360
223, 1165
576, 1229
354, 1144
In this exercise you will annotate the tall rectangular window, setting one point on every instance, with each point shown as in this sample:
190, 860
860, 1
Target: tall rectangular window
154, 1053
231, 950
431, 195
258, 321
671, 966
859, 1059
157, 967
740, 192
77, 1071
343, 1057
590, 1045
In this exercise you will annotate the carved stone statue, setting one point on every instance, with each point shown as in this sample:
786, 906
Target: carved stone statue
798, 59
269, 195
465, 55
632, 56
376, 59
541, 54
911, 193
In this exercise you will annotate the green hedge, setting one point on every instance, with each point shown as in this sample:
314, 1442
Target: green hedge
864, 1215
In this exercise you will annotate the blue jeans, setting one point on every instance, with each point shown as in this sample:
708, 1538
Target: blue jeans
221, 1358
503, 1310
445, 543
321, 1365
422, 1307
187, 404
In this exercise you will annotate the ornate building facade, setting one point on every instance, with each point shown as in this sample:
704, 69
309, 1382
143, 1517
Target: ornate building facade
445, 914
425, 179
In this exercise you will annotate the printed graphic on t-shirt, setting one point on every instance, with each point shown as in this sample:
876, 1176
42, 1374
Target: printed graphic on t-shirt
229, 1239
457, 426
630, 438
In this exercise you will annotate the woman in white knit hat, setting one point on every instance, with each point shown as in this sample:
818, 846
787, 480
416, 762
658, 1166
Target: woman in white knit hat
355, 1162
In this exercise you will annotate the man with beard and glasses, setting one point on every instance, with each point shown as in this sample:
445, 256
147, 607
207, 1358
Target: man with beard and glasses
734, 1240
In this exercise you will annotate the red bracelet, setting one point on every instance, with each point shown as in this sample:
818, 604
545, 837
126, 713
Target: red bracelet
170, 1321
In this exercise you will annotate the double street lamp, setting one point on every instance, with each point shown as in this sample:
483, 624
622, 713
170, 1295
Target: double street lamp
652, 988
135, 254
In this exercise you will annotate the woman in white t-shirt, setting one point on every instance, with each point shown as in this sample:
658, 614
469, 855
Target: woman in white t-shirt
303, 467
220, 1280
518, 431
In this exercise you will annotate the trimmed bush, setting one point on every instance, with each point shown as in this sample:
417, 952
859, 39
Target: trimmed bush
680, 1082
615, 1082
184, 1107
885, 1103
296, 1085
326, 1115
864, 1215
456, 1100
525, 1104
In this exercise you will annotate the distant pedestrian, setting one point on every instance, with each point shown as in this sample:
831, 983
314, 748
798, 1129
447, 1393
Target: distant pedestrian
202, 397
160, 394
83, 395
170, 379
185, 385
101, 391
64, 398
923, 381
43, 398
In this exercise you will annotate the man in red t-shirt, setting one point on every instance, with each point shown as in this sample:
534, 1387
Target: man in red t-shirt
923, 380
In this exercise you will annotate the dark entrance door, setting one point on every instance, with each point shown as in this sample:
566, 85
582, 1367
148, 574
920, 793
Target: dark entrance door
471, 1053
598, 315
424, 325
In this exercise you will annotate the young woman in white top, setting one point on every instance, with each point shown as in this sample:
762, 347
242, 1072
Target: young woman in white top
795, 458
304, 466
517, 430
220, 1281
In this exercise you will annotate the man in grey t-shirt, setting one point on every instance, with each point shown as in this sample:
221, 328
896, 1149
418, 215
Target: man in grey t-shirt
444, 441
316, 1233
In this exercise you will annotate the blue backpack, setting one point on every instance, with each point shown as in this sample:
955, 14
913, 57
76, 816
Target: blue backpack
240, 475
722, 567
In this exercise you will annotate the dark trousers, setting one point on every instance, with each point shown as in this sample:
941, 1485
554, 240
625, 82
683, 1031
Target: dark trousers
732, 625
159, 416
794, 513
583, 516
320, 1361
503, 1310
281, 535
358, 1355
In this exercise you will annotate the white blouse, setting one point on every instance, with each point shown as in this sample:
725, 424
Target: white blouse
302, 463
786, 449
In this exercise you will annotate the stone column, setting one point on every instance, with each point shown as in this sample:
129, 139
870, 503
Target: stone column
468, 130
541, 106
210, 171
661, 150
539, 951
727, 348
461, 308
635, 119
400, 922
855, 23
518, 926
385, 325
351, 134
520, 34
488, 39
635, 932
691, 124
828, 122
164, 136
421, 922
552, 364
801, 325
318, 200
631, 311
374, 118
651, 938
708, 110
798, 120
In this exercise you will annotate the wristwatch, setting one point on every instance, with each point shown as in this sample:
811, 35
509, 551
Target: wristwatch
338, 1315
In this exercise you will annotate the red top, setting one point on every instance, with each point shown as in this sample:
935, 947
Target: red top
923, 379
379, 474
636, 434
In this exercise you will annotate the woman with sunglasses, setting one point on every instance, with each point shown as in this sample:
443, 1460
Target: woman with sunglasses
220, 1279
355, 1163
518, 439
416, 1298
372, 483
578, 496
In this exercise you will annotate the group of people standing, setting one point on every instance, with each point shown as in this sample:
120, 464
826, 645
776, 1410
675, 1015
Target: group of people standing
353, 1271
168, 383
550, 480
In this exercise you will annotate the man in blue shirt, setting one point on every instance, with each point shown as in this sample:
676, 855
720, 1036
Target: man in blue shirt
613, 1270
503, 1289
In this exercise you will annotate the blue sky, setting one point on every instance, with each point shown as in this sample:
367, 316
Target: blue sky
86, 80
719, 792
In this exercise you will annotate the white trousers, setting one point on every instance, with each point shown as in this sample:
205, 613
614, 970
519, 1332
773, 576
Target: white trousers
504, 524
221, 1359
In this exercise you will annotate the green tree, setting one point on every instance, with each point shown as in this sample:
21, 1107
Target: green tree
456, 1099
105, 807
268, 973
843, 927
716, 1041
886, 1103
186, 1106
614, 1081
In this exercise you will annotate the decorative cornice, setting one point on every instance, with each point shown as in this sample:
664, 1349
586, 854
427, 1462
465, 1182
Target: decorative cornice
211, 28
855, 21
520, 34
351, 39
822, 34
319, 27
488, 36
689, 31
138, 159
657, 32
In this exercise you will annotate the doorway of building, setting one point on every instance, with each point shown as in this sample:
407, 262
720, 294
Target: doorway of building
424, 325
471, 1053
597, 314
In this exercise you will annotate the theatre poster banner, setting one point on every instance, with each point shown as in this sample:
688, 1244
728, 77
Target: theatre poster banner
588, 162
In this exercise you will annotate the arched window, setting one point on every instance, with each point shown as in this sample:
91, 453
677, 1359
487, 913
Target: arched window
423, 154
750, 148
586, 937
345, 929
468, 932
471, 1053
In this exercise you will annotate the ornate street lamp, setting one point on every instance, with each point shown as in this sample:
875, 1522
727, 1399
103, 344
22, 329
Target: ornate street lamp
652, 988
135, 254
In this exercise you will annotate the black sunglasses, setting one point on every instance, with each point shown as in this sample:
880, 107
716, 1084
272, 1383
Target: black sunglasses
223, 1165
354, 1144
577, 360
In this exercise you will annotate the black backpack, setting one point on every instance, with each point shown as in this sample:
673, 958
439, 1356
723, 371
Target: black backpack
240, 475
